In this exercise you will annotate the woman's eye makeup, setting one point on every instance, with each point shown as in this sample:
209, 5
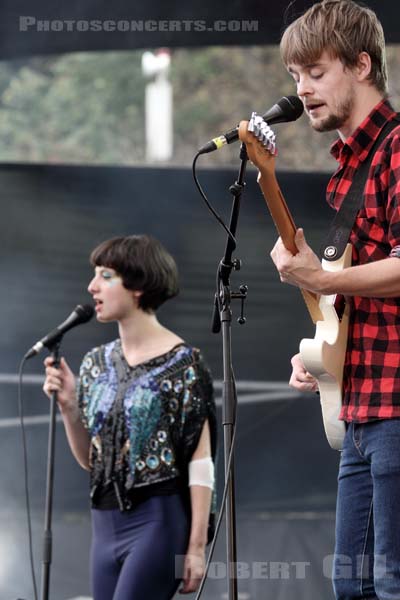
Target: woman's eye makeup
109, 276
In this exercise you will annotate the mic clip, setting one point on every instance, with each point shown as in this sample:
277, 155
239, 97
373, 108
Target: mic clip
241, 295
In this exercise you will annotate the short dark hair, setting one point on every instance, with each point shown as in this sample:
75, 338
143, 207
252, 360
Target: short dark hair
344, 29
143, 264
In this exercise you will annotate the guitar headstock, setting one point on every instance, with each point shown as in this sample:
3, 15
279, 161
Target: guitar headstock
260, 142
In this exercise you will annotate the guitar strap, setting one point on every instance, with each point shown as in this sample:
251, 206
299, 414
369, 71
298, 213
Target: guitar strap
344, 219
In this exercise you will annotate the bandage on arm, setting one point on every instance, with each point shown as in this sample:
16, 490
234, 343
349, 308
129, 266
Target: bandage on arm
201, 472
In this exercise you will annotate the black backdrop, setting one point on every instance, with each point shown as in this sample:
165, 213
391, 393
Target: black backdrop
51, 219
270, 17
52, 216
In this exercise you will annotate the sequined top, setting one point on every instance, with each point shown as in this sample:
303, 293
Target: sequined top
144, 421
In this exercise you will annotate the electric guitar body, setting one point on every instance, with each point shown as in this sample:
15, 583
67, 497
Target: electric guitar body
324, 355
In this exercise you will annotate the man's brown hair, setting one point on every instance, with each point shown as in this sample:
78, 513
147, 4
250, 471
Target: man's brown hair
344, 29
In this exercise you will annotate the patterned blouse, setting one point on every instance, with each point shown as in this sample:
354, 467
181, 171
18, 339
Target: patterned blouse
144, 421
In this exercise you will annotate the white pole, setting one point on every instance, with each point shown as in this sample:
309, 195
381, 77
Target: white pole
158, 106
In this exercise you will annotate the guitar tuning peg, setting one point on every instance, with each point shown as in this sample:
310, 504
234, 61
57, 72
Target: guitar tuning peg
262, 132
251, 124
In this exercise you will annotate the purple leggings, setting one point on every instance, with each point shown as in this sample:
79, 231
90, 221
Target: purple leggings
133, 553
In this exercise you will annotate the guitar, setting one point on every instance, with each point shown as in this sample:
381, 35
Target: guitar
323, 356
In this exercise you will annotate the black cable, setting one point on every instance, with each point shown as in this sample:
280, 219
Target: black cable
26, 482
210, 208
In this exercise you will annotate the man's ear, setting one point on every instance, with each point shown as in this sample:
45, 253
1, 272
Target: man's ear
364, 66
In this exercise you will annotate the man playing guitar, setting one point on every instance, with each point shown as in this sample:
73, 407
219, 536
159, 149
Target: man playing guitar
335, 53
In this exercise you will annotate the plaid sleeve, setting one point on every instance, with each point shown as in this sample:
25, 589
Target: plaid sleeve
392, 177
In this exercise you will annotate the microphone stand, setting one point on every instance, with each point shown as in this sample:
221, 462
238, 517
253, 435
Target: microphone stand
47, 537
223, 316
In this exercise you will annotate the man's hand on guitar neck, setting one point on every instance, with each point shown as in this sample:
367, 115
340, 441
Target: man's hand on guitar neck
303, 269
301, 379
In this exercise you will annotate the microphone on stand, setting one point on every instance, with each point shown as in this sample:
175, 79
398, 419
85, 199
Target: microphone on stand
289, 108
80, 314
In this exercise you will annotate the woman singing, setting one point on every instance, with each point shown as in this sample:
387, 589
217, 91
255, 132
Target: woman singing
141, 419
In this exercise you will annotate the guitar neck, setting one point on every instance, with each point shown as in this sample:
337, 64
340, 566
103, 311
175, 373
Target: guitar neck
287, 229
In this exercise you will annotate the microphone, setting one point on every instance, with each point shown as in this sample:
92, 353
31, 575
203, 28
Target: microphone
80, 314
289, 108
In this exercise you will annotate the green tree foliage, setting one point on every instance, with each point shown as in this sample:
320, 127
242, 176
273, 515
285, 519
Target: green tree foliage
89, 107
85, 108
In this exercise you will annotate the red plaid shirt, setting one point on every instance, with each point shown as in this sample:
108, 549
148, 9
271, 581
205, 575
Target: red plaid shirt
371, 384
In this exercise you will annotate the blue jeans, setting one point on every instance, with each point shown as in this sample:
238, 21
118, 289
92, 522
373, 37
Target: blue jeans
367, 553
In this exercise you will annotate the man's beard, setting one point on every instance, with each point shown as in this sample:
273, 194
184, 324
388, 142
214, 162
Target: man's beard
338, 119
